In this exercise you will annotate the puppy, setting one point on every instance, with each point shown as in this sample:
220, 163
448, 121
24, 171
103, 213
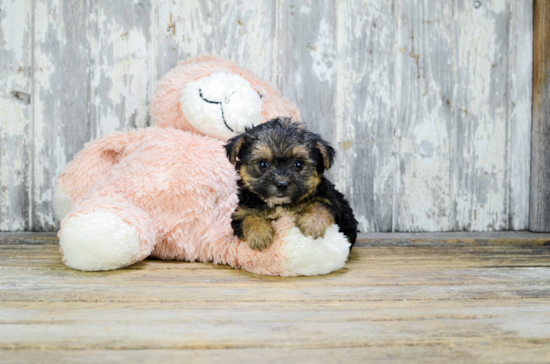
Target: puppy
281, 165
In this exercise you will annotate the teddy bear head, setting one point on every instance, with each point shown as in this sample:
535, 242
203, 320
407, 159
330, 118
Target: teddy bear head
217, 98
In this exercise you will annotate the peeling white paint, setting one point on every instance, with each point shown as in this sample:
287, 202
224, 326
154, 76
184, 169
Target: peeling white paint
13, 121
407, 158
498, 6
304, 10
15, 112
121, 75
323, 54
364, 170
239, 31
16, 15
46, 19
520, 60
483, 113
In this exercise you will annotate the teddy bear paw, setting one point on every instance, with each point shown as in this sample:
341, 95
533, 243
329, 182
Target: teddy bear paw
306, 256
97, 241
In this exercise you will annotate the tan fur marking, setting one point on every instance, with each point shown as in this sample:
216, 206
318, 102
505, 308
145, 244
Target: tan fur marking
311, 183
257, 232
299, 151
314, 220
246, 177
262, 151
236, 149
240, 213
323, 151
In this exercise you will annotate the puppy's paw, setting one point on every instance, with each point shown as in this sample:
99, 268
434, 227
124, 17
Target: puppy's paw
257, 232
315, 221
259, 241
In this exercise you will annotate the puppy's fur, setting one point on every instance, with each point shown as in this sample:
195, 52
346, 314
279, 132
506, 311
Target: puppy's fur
281, 167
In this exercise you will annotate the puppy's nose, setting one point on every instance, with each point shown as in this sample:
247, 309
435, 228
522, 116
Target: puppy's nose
281, 185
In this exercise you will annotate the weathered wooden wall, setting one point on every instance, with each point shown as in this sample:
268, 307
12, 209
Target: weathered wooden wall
427, 102
540, 161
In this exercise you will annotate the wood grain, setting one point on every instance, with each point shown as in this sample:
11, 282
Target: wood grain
61, 97
424, 129
466, 352
242, 31
306, 32
122, 59
480, 177
427, 104
15, 113
539, 214
520, 94
446, 303
364, 110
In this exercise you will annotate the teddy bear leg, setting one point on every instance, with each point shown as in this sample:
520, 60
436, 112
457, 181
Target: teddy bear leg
105, 233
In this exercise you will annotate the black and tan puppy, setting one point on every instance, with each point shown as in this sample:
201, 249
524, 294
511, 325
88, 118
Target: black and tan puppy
281, 165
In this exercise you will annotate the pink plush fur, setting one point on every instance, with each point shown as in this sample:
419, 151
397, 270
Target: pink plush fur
175, 187
167, 189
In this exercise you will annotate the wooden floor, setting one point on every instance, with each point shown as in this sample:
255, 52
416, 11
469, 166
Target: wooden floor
425, 298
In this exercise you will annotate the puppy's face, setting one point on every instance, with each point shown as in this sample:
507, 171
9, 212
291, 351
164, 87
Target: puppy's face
280, 161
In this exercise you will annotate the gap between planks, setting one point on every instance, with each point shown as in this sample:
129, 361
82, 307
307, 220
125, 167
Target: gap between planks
525, 238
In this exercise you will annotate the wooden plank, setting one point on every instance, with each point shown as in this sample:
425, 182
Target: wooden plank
15, 113
480, 176
374, 274
442, 353
306, 33
365, 164
520, 101
374, 311
242, 31
426, 80
468, 172
261, 326
61, 97
539, 214
123, 63
93, 76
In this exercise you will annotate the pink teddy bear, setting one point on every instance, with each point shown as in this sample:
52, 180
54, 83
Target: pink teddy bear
169, 191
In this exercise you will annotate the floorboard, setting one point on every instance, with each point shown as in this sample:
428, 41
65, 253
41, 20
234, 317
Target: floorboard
426, 298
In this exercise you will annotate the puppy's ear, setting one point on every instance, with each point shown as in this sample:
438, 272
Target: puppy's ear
233, 148
327, 153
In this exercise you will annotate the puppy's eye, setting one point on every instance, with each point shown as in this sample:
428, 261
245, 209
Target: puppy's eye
263, 165
299, 165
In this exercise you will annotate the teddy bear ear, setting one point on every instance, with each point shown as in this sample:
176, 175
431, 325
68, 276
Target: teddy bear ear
327, 153
233, 148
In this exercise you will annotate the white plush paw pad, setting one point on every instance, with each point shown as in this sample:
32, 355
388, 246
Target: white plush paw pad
307, 256
62, 202
97, 241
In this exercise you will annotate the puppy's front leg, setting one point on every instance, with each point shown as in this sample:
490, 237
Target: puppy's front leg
257, 232
314, 220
